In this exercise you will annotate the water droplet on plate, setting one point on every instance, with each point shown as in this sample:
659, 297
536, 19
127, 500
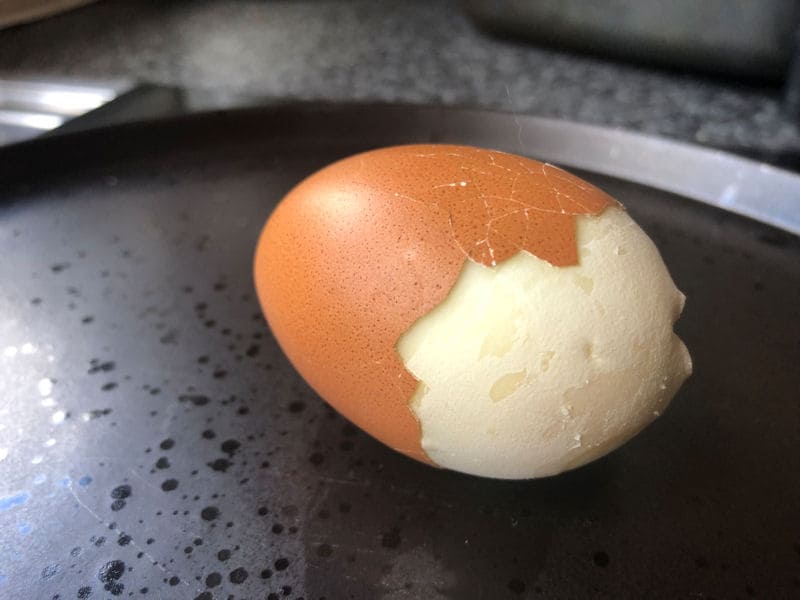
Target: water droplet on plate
45, 386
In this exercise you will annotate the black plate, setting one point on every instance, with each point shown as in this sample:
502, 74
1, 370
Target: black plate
156, 443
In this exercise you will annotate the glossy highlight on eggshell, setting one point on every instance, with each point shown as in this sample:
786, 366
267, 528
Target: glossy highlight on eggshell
359, 251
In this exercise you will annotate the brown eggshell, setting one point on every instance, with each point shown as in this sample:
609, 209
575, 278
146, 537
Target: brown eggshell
360, 250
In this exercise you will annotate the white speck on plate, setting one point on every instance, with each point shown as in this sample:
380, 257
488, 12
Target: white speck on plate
45, 386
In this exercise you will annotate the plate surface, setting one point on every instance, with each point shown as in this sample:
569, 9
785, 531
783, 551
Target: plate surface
154, 441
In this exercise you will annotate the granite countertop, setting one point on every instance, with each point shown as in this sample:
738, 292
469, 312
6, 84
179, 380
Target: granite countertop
411, 51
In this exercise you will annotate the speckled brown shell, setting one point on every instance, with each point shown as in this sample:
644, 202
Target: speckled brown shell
360, 250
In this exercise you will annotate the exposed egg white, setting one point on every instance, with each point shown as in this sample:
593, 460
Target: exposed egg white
528, 370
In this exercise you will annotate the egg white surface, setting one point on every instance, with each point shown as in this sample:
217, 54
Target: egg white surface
527, 370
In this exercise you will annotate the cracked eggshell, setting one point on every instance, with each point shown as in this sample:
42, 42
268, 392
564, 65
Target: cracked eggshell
361, 251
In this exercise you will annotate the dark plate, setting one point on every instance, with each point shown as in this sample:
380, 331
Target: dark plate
155, 442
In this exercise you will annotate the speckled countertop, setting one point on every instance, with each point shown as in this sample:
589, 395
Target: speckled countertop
397, 51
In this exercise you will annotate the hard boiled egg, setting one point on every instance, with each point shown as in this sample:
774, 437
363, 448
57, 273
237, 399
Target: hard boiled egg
472, 309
